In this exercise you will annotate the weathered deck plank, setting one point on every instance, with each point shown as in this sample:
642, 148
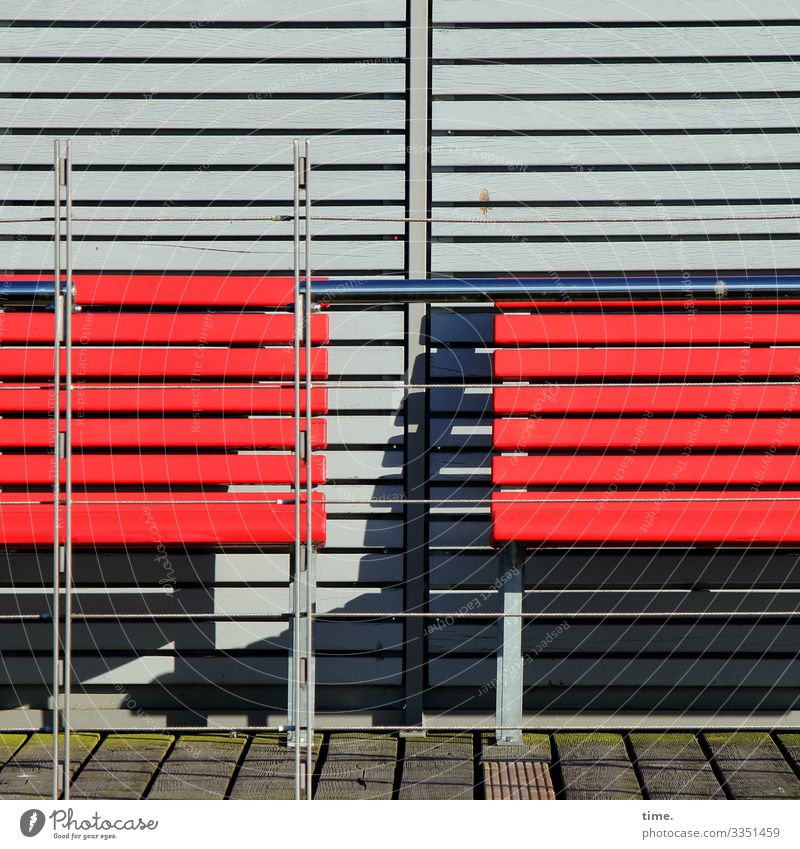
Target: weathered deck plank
596, 766
9, 744
121, 767
267, 771
198, 767
358, 766
753, 766
673, 766
438, 766
29, 773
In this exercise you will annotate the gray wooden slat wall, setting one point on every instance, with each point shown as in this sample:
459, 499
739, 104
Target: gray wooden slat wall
542, 109
195, 114
612, 110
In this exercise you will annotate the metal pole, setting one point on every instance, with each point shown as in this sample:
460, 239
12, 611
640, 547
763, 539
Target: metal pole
310, 587
294, 688
67, 452
57, 328
415, 408
509, 686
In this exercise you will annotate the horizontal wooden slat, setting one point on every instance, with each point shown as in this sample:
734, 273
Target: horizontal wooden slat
609, 187
223, 670
641, 328
228, 521
647, 470
657, 399
624, 434
545, 518
203, 184
610, 672
259, 80
557, 640
36, 470
200, 13
203, 42
628, 78
165, 635
208, 256
628, 42
627, 150
663, 363
557, 223
696, 114
145, 363
610, 11
200, 329
112, 148
254, 400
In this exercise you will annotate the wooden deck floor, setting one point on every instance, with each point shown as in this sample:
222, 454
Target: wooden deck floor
709, 765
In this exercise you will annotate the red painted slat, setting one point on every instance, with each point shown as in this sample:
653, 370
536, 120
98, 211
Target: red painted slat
739, 398
207, 328
233, 522
198, 363
544, 519
679, 305
255, 400
666, 363
183, 290
752, 470
156, 433
647, 329
193, 433
159, 469
641, 433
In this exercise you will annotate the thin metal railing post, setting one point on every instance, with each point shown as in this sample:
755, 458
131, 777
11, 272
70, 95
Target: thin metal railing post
310, 581
57, 328
510, 661
67, 454
294, 678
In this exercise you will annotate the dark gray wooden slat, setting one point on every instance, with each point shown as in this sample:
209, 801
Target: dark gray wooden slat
596, 766
437, 767
29, 774
358, 766
753, 766
199, 767
267, 771
673, 766
122, 767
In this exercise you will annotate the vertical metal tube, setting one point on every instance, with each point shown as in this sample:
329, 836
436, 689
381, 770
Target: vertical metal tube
67, 451
298, 330
56, 599
310, 560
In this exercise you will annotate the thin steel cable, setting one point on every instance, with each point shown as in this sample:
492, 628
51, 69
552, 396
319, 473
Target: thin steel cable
413, 219
547, 614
